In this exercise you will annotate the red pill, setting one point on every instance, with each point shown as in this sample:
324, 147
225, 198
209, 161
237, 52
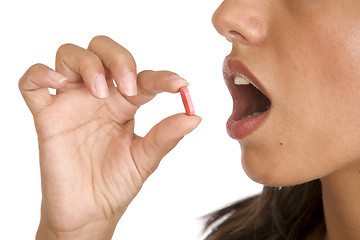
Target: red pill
186, 98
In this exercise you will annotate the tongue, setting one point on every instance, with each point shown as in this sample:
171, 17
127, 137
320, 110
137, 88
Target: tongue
251, 102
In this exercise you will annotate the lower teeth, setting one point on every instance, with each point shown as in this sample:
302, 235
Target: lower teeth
257, 113
252, 115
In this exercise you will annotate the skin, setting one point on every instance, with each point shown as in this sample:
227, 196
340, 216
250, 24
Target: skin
92, 164
306, 55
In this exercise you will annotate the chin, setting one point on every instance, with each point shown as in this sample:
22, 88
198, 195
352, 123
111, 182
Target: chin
274, 170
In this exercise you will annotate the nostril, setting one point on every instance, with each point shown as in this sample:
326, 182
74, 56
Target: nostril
236, 34
252, 34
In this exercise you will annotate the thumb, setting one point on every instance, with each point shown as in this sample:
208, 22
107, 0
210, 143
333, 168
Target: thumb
161, 139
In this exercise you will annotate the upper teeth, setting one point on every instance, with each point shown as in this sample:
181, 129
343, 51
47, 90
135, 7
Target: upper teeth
241, 80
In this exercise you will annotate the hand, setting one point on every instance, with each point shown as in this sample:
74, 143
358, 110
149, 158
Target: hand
92, 164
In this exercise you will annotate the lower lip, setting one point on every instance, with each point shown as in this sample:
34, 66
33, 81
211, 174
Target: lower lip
240, 129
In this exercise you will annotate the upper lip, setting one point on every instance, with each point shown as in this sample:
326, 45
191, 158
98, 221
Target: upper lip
233, 67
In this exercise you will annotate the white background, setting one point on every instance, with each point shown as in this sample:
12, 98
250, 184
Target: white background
202, 174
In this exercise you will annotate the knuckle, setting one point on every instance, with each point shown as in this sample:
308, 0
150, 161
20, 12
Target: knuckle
122, 59
61, 52
63, 48
117, 56
95, 39
32, 70
121, 65
145, 72
161, 142
123, 54
91, 61
37, 67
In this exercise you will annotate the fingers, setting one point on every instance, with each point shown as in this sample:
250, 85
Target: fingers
151, 83
119, 61
87, 66
82, 66
105, 55
162, 138
34, 86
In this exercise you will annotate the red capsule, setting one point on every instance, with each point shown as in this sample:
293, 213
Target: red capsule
186, 98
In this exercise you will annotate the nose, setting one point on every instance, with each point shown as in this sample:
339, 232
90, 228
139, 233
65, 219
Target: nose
241, 21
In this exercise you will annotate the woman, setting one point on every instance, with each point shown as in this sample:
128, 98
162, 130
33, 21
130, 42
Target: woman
293, 76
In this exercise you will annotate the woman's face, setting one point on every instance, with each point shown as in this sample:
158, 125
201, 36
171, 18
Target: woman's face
305, 56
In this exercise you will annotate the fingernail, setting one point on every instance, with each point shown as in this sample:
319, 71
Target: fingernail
57, 77
129, 84
101, 87
179, 79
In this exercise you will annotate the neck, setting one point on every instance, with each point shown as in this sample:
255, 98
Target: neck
341, 200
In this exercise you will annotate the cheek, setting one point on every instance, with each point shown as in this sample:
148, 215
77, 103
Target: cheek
314, 132
314, 128
291, 158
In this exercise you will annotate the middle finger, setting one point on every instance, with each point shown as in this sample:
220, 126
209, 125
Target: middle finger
119, 61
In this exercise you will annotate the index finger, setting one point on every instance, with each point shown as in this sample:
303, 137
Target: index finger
151, 83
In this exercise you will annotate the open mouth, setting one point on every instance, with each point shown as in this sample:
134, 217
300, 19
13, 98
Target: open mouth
252, 104
249, 101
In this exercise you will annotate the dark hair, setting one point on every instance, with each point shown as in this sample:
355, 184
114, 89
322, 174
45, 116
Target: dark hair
278, 213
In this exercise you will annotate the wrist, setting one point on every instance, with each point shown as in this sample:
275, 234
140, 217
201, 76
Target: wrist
90, 232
